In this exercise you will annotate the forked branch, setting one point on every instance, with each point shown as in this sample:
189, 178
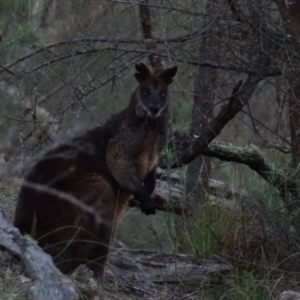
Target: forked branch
249, 156
208, 132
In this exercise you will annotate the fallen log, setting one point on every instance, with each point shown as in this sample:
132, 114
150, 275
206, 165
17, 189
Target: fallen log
146, 273
169, 195
166, 268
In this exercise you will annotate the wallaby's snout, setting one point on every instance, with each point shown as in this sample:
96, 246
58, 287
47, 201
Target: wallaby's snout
154, 109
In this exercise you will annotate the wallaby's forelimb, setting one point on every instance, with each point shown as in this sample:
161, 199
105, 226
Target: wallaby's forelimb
150, 182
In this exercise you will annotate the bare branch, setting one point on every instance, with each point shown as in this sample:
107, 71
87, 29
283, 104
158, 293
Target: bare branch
209, 131
267, 72
253, 158
249, 156
167, 197
148, 266
93, 40
60, 194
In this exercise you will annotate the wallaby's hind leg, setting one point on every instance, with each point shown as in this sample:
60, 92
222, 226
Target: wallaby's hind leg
99, 252
99, 194
67, 248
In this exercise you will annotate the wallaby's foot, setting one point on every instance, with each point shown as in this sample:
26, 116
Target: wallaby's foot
148, 207
98, 270
82, 274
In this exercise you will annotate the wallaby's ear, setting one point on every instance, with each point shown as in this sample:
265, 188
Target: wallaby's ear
168, 74
143, 72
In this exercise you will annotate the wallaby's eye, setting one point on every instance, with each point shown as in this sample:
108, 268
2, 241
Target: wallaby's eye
162, 95
145, 92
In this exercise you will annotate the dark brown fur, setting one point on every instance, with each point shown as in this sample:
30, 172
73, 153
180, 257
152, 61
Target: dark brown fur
102, 169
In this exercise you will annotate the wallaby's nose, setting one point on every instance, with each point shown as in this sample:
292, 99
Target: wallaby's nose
154, 109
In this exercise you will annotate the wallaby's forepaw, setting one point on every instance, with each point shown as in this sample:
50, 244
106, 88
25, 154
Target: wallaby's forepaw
148, 207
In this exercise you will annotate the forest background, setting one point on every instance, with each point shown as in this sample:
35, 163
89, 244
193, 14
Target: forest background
229, 177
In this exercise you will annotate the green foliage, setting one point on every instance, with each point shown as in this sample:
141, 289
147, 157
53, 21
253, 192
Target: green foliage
151, 233
23, 33
17, 14
11, 285
169, 157
181, 114
263, 190
246, 287
266, 200
213, 228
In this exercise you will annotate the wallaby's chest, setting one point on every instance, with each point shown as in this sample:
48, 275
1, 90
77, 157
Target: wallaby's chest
148, 157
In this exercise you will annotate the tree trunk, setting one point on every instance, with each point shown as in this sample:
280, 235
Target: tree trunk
199, 170
290, 13
147, 29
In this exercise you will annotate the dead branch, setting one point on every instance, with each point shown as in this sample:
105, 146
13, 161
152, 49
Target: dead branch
49, 283
138, 267
236, 101
216, 188
169, 193
265, 72
210, 131
253, 158
167, 197
145, 17
250, 156
92, 40
145, 274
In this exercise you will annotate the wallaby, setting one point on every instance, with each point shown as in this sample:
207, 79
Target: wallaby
101, 169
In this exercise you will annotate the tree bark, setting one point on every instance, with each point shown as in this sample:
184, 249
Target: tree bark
198, 172
202, 112
290, 14
240, 96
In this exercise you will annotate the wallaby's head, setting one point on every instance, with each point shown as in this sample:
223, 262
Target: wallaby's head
151, 98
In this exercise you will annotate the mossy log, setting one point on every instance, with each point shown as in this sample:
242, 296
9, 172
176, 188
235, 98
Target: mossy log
250, 156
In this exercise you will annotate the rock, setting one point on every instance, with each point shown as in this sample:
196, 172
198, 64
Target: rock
289, 295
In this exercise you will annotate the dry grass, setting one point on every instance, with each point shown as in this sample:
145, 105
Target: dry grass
238, 230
